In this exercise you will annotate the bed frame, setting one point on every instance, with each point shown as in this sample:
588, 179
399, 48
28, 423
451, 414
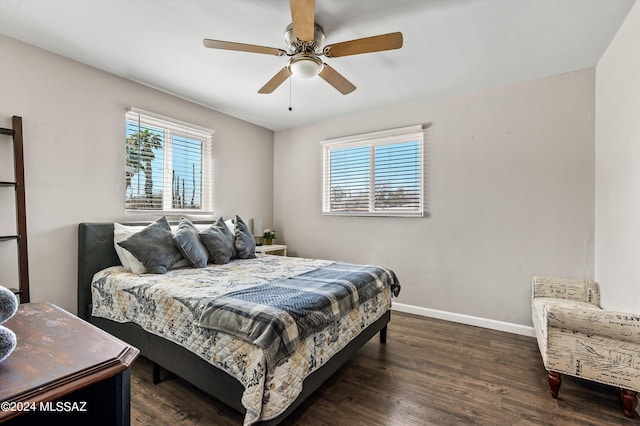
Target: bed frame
96, 252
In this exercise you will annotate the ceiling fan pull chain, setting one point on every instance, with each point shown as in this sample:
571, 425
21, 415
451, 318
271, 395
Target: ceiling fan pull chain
290, 109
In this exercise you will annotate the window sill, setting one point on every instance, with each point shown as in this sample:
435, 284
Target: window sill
172, 214
375, 214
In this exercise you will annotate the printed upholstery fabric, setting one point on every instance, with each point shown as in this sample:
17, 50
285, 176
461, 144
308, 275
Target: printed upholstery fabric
577, 337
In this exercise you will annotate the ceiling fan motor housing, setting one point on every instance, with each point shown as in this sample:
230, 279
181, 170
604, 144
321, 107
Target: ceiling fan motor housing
304, 62
298, 46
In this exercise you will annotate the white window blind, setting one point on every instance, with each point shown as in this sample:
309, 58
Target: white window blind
374, 174
168, 164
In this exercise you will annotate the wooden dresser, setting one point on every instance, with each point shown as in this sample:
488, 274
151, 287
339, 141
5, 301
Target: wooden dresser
64, 371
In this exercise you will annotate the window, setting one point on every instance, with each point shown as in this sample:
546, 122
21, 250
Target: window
168, 164
374, 174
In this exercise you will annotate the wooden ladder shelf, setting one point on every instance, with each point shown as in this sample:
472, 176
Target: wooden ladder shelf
21, 213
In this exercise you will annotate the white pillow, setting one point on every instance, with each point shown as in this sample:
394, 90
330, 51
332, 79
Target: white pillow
231, 225
204, 226
129, 261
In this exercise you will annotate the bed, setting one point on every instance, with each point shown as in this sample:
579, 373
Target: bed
265, 386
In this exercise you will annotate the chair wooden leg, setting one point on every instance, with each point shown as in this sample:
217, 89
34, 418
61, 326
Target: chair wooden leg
554, 383
629, 402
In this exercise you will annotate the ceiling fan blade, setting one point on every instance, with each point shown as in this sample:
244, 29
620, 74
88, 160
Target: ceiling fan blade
275, 81
241, 47
364, 45
302, 16
336, 79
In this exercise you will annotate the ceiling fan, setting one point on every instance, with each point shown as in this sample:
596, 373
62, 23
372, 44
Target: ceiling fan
305, 38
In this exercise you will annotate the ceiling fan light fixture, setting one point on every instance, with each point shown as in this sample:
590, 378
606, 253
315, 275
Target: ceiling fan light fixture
305, 65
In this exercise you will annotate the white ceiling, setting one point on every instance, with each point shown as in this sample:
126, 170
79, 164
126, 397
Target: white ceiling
450, 46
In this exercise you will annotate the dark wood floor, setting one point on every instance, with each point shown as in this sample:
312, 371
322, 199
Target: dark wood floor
430, 372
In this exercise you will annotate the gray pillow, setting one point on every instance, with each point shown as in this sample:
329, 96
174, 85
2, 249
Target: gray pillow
153, 247
218, 240
187, 240
244, 242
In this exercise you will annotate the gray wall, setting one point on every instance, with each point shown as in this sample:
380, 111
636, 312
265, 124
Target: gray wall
617, 266
73, 118
510, 181
510, 192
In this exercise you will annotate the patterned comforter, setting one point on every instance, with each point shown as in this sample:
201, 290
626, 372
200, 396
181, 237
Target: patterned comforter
171, 306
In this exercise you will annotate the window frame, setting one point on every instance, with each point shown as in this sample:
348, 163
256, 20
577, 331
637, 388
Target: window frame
372, 140
175, 128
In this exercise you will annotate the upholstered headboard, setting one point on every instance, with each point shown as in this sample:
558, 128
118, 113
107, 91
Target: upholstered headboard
95, 252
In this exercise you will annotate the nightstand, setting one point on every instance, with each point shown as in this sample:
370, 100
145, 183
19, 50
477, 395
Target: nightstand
276, 249
64, 371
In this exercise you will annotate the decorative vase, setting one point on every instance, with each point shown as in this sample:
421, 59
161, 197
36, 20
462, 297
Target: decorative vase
7, 342
268, 241
8, 308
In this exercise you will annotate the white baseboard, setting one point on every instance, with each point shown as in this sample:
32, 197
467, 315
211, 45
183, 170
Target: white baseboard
465, 319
